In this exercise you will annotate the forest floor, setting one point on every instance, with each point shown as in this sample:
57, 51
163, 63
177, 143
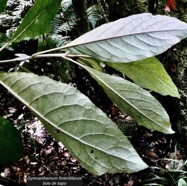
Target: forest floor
44, 156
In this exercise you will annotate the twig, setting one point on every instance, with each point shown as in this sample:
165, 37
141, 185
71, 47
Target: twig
47, 51
62, 55
75, 62
18, 59
38, 55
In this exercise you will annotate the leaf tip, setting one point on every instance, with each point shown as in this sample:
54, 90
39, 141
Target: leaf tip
170, 131
176, 94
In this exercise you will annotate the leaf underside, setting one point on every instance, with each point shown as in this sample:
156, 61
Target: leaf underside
134, 101
148, 73
130, 39
73, 119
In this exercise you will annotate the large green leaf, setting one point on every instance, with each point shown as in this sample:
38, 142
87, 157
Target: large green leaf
130, 39
148, 73
2, 5
11, 147
37, 20
75, 121
134, 101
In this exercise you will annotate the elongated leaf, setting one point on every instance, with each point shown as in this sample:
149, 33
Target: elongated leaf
37, 20
2, 5
148, 73
134, 101
11, 147
130, 39
75, 121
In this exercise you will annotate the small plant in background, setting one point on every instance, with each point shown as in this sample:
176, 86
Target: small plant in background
64, 24
127, 45
174, 174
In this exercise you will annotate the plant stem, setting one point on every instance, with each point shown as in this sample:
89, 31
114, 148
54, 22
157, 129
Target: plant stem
75, 62
5, 45
61, 55
47, 51
40, 55
18, 59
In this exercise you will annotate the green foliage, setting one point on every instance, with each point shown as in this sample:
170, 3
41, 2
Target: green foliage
61, 26
69, 115
3, 39
94, 15
65, 23
134, 101
148, 73
175, 174
11, 146
37, 20
3, 5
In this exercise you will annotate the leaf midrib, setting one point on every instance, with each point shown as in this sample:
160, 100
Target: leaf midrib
27, 27
125, 99
53, 125
110, 38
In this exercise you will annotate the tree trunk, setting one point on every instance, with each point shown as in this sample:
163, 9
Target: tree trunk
175, 62
80, 7
119, 9
179, 59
